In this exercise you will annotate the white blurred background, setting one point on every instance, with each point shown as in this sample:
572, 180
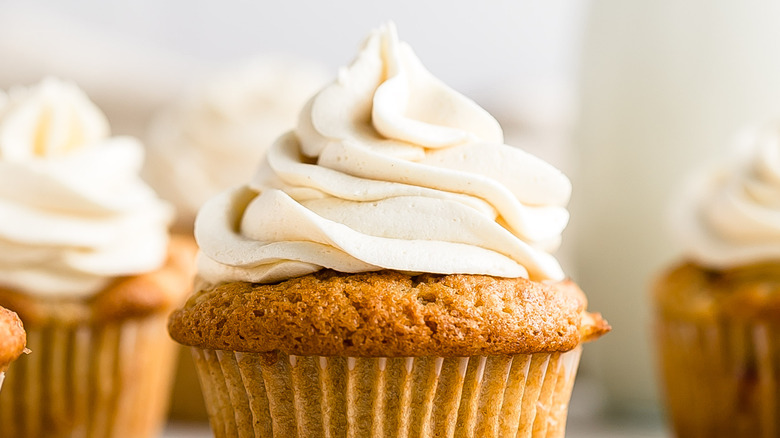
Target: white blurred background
624, 95
141, 53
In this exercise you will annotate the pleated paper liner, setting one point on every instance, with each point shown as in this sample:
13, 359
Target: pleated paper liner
721, 379
252, 395
109, 381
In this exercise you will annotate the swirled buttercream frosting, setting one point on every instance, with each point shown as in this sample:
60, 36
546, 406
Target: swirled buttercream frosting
728, 214
75, 213
388, 168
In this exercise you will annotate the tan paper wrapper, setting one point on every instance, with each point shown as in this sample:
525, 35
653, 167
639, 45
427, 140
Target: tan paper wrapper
721, 380
110, 381
308, 396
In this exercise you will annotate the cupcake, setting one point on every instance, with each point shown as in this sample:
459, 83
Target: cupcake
718, 309
87, 262
212, 138
387, 272
12, 340
214, 135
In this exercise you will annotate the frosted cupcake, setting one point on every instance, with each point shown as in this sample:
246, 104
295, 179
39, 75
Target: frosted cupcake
12, 340
387, 272
87, 263
718, 310
214, 136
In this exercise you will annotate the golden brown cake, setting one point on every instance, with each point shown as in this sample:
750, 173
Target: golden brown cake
12, 339
103, 366
388, 314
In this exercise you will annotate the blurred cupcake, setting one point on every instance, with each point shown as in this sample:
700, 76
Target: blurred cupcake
213, 138
87, 263
12, 340
387, 272
718, 310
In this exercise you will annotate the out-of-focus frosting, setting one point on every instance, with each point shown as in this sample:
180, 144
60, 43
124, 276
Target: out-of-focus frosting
388, 169
729, 214
214, 137
75, 213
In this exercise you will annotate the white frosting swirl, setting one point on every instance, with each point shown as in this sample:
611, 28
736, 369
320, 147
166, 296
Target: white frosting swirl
75, 213
729, 214
216, 134
388, 169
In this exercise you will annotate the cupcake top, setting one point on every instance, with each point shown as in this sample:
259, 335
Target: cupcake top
12, 338
388, 313
214, 137
75, 212
728, 215
388, 168
133, 296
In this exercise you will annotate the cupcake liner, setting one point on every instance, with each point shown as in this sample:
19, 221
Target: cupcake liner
721, 379
269, 395
90, 381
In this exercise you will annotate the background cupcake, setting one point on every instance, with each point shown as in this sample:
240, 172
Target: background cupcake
214, 135
717, 311
87, 263
213, 138
387, 272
